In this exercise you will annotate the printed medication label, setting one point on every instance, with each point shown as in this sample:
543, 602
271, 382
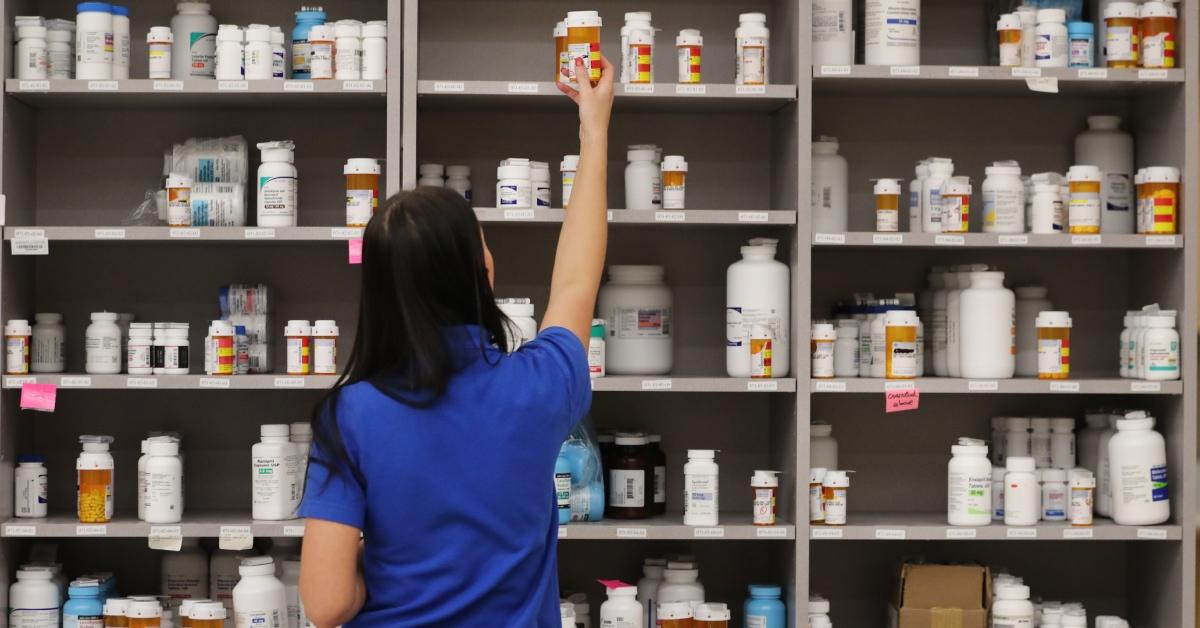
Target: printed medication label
20, 530
821, 532
631, 533
236, 538
772, 533
708, 533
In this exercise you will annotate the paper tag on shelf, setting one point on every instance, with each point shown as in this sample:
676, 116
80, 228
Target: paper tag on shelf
1150, 387
91, 530
30, 246
20, 530
977, 385
905, 70
17, 382
963, 71
39, 397
670, 216
109, 234
1078, 533
891, 535
657, 384
184, 233
1067, 387
961, 533
1152, 534
358, 86
103, 86
1021, 533
835, 70
298, 86
887, 238
168, 86
259, 234
26, 234
1160, 240
518, 214
236, 538
639, 88
165, 538
824, 532
750, 90
523, 88
1012, 240
771, 533
1154, 75
949, 240
1093, 73
631, 533
343, 233
293, 530
449, 87
901, 400
1026, 72
141, 382
769, 385
753, 216
829, 386
214, 382
354, 251
232, 86
289, 382
1088, 239
1043, 84
829, 238
708, 533
34, 86
562, 532
691, 89
75, 381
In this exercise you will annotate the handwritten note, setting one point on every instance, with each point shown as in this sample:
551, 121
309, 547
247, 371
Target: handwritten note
39, 397
901, 400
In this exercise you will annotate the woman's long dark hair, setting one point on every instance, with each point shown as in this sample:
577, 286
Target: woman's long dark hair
423, 272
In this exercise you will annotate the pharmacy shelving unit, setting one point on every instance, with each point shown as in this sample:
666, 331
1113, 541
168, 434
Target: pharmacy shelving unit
957, 105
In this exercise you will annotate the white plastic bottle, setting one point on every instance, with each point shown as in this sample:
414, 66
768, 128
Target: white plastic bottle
103, 344
823, 447
159, 41
279, 61
31, 482
184, 574
1138, 470
940, 171
48, 344
121, 44
643, 179
94, 41
1028, 17
1159, 348
954, 316
753, 41
1003, 198
347, 61
193, 55
1022, 494
892, 32
259, 599
1017, 438
458, 178
970, 484
1030, 301
915, 207
634, 20
539, 175
647, 587
986, 329
1055, 495
433, 175
374, 51
1039, 441
832, 32
757, 292
32, 60
845, 349
278, 183
1012, 608
830, 187
621, 609
637, 305
163, 494
681, 583
1104, 494
1104, 144
1050, 47
514, 185
1087, 441
260, 56
34, 599
701, 489
1062, 443
274, 475
1046, 210
229, 60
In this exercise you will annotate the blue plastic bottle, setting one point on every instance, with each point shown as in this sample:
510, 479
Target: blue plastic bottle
562, 487
764, 608
84, 607
306, 18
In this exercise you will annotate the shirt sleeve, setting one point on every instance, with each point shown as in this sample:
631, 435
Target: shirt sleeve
559, 364
332, 495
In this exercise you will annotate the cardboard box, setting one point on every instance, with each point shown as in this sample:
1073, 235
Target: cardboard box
941, 596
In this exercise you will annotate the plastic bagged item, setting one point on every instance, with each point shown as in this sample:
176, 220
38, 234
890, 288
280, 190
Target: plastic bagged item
211, 160
244, 299
218, 205
151, 212
993, 9
249, 305
587, 473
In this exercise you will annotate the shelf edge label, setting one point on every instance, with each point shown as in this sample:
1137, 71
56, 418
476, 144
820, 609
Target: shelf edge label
1013, 240
885, 534
976, 385
639, 88
1151, 534
109, 234
771, 533
1091, 239
141, 382
73, 381
631, 533
20, 530
293, 530
232, 86
949, 240
358, 86
887, 238
344, 233
820, 386
214, 382
905, 70
34, 86
30, 246
236, 538
298, 86
91, 530
259, 233
289, 382
822, 532
1067, 387
165, 538
829, 238
961, 533
523, 88
708, 533
168, 86
449, 87
753, 217
670, 216
1093, 73
1026, 72
1151, 387
657, 384
750, 90
690, 89
1021, 533
1160, 240
1078, 533
1153, 74
762, 386
963, 71
835, 70
518, 214
103, 86
562, 532
185, 233
18, 382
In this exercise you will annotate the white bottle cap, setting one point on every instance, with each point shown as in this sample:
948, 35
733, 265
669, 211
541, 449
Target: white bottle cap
1084, 173
712, 612
764, 479
458, 171
374, 30
297, 328
1052, 16
164, 448
144, 609
689, 37
17, 327
274, 429
823, 331
675, 610
204, 611
1008, 22
258, 32
257, 566
176, 181
583, 19
674, 163
818, 605
569, 162
701, 454
887, 187
1053, 319
220, 328
836, 479
1120, 10
361, 165
1161, 174
345, 28
1020, 464
816, 475
325, 328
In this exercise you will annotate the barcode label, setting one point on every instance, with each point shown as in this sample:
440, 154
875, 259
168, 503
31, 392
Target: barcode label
518, 214
1013, 240
982, 386
232, 86
30, 246
631, 533
141, 382
670, 216
75, 382
103, 86
1093, 73
168, 86
1022, 533
708, 533
905, 70
691, 90
1078, 533
645, 88
449, 86
289, 382
963, 71
750, 90
1151, 387
887, 238
1071, 387
821, 532
772, 533
891, 535
1151, 534
829, 386
767, 386
961, 533
91, 530
835, 70
657, 384
109, 234
236, 538
753, 217
949, 240
358, 86
523, 88
298, 86
293, 530
214, 382
829, 238
20, 530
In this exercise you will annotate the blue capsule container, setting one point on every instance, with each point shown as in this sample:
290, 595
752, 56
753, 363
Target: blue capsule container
85, 604
306, 18
764, 608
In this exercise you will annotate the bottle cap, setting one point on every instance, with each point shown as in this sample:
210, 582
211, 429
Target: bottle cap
689, 37
816, 475
583, 19
361, 165
712, 612
823, 331
765, 479
118, 606
701, 454
1020, 464
887, 187
458, 171
1052, 15
297, 328
818, 605
1009, 22
1116, 10
325, 328
765, 590
631, 440
674, 163
274, 429
1084, 173
598, 328
18, 327
836, 479
675, 610
257, 566
207, 611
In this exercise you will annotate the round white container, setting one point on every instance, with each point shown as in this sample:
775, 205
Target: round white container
674, 195
1138, 473
289, 575
193, 54
259, 599
374, 51
637, 305
1159, 348
681, 583
34, 599
94, 41
184, 574
260, 56
60, 53
832, 32
103, 345
830, 188
432, 175
986, 335
1003, 199
757, 291
223, 575
31, 482
347, 61
939, 336
48, 344
164, 483
954, 317
1030, 301
514, 187
1022, 494
753, 41
568, 167
230, 57
643, 180
324, 349
969, 477
1104, 144
914, 197
539, 175
940, 171
823, 447
701, 489
278, 54
1046, 210
1017, 437
1055, 495
159, 41
622, 608
1012, 606
32, 60
274, 475
1039, 441
1050, 47
278, 180
458, 178
892, 32
521, 326
1062, 443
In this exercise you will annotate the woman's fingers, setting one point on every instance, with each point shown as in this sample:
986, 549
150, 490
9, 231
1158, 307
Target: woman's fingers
568, 90
583, 77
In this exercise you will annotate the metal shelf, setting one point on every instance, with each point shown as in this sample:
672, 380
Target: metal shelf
932, 527
453, 95
995, 240
71, 94
970, 79
1016, 386
670, 527
184, 234
664, 218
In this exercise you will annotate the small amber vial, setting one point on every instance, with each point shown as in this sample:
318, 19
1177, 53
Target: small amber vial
208, 615
115, 612
583, 42
712, 615
1122, 36
1159, 23
362, 190
675, 615
145, 614
1054, 345
674, 182
1083, 212
95, 493
887, 205
1161, 188
900, 344
1009, 31
561, 57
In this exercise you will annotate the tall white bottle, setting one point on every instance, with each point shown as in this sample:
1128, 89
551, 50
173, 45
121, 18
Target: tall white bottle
1106, 146
986, 328
1104, 494
275, 479
940, 171
1138, 469
830, 187
892, 32
1030, 301
954, 316
938, 333
832, 32
757, 291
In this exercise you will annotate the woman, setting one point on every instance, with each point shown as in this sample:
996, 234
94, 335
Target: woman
430, 497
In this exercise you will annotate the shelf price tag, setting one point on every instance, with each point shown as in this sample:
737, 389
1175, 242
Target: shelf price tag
639, 88
657, 384
17, 382
949, 240
683, 89
963, 71
236, 538
259, 234
1078, 533
750, 90
1152, 75
519, 214
358, 86
91, 530
1093, 73
631, 533
753, 217
1067, 387
829, 238
141, 382
769, 385
20, 530
289, 382
829, 386
1013, 240
1090, 239
708, 533
823, 532
232, 86
293, 530
670, 216
1145, 387
891, 535
887, 238
835, 70
165, 538
961, 533
1152, 534
183, 233
168, 86
103, 86
523, 88
1021, 533
901, 397
771, 533
214, 382
34, 86
905, 70
976, 385
109, 234
298, 86
75, 381
1160, 240
442, 87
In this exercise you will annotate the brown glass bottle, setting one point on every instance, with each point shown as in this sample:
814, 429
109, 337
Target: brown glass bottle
630, 479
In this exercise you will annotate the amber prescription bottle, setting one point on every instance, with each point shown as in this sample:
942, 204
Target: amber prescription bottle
208, 615
674, 181
630, 478
690, 44
116, 610
1083, 210
712, 615
765, 486
900, 344
1122, 34
17, 338
675, 615
583, 42
561, 58
1054, 345
1161, 187
362, 190
145, 614
1159, 23
816, 497
887, 205
1008, 28
94, 469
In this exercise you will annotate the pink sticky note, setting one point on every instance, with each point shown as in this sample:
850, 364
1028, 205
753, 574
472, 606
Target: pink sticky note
902, 400
355, 250
614, 584
40, 397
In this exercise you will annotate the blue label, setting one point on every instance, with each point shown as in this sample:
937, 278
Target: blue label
199, 212
205, 170
1053, 512
1158, 481
903, 21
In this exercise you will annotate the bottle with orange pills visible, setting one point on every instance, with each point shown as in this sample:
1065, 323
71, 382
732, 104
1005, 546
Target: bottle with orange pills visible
145, 613
690, 44
1122, 34
1083, 210
583, 42
1054, 345
299, 347
561, 57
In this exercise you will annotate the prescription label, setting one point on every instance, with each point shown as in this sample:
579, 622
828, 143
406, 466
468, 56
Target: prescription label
771, 533
236, 538
232, 86
642, 323
657, 384
109, 234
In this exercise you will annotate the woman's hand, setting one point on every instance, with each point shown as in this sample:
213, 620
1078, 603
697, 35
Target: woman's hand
595, 102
